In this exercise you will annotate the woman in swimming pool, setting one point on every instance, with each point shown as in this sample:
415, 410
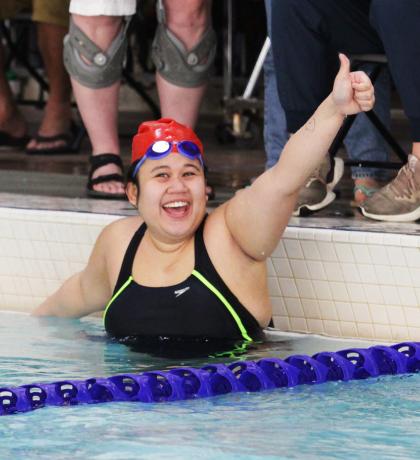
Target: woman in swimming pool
173, 271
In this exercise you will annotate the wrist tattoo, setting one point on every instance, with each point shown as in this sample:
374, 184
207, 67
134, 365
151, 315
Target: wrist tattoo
310, 125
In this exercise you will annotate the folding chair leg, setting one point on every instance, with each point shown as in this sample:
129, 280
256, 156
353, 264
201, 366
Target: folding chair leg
19, 57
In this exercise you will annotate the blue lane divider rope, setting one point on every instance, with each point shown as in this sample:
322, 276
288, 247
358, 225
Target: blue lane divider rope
217, 379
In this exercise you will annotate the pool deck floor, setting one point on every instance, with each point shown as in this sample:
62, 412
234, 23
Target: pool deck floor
59, 182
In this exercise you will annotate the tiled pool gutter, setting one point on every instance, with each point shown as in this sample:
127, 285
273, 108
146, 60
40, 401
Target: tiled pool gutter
353, 280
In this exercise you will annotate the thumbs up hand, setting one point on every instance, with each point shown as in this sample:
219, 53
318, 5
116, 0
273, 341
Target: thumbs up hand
353, 92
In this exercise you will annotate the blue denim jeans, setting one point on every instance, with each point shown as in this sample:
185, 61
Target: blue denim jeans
363, 142
275, 131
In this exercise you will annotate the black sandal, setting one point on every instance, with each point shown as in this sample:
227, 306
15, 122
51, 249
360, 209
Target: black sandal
7, 141
96, 161
71, 142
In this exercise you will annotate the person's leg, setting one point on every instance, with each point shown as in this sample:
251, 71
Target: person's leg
94, 61
305, 73
306, 38
188, 21
396, 24
363, 142
12, 122
51, 18
275, 132
303, 82
99, 107
57, 112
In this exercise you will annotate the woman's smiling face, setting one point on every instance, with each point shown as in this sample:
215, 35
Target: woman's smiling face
173, 197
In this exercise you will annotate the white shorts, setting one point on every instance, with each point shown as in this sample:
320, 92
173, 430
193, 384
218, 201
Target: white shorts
103, 7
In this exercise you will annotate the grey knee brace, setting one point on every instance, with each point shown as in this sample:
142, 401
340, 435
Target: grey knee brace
103, 67
174, 63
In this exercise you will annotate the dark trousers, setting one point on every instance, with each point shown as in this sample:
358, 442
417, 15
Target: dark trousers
308, 34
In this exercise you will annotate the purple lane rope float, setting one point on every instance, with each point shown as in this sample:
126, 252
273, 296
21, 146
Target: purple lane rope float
217, 379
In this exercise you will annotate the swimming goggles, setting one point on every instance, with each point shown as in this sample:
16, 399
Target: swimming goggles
161, 149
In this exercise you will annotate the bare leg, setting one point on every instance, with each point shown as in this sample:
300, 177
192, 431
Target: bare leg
188, 20
99, 107
11, 120
364, 187
416, 149
57, 113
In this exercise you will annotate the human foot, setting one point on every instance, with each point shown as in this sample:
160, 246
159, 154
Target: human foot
364, 188
54, 133
13, 131
106, 176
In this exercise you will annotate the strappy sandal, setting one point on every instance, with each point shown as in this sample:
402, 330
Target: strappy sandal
71, 142
7, 141
367, 192
97, 161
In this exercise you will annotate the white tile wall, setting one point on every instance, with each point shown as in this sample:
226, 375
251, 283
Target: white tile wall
39, 249
351, 283
324, 281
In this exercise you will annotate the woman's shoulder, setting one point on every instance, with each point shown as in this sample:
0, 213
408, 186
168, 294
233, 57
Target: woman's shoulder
215, 232
120, 230
113, 242
215, 220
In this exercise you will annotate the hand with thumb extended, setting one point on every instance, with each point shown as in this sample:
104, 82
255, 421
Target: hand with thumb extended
353, 92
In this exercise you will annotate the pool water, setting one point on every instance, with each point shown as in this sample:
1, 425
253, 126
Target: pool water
374, 418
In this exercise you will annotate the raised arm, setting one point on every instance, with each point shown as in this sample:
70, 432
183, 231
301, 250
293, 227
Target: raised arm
257, 216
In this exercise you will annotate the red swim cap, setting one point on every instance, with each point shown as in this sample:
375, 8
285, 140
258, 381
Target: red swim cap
164, 129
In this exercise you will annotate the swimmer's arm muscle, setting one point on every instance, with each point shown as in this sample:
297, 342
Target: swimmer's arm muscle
257, 216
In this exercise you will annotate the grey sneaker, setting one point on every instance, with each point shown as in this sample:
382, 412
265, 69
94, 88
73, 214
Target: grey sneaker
318, 191
398, 201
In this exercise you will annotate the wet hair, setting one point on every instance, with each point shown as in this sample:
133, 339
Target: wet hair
130, 178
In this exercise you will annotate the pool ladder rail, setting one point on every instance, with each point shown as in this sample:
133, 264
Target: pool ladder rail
217, 379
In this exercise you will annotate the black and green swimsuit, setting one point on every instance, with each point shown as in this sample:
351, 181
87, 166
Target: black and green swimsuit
202, 306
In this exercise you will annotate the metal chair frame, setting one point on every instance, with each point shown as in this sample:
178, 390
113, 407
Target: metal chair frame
379, 62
